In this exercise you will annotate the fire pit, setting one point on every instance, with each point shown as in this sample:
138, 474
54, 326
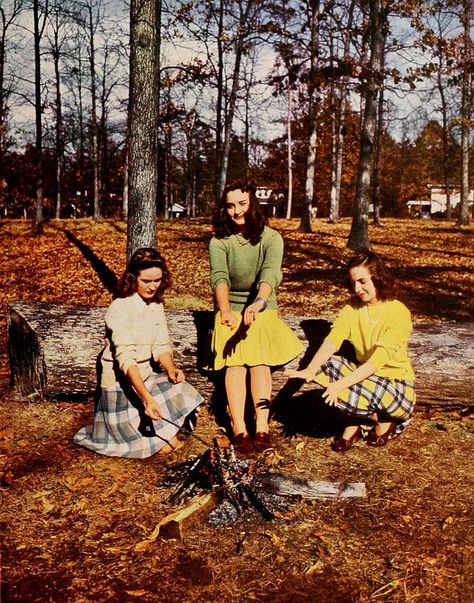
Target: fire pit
245, 488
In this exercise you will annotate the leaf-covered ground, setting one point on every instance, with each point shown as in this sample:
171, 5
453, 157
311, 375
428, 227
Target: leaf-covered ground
75, 526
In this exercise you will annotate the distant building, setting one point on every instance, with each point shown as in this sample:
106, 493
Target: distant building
436, 204
177, 211
271, 200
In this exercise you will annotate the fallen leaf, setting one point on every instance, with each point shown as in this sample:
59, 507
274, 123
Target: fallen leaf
40, 494
142, 546
137, 593
315, 567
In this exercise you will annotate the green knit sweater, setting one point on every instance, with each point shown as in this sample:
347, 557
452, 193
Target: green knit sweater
243, 266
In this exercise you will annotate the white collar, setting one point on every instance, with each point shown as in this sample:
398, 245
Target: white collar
140, 304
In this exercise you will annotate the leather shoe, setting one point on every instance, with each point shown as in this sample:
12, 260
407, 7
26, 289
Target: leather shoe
243, 444
340, 444
380, 440
262, 441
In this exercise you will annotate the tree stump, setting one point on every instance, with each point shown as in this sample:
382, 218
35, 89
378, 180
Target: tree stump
54, 348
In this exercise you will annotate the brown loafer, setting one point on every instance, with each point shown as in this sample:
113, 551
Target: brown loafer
380, 440
342, 445
243, 444
262, 441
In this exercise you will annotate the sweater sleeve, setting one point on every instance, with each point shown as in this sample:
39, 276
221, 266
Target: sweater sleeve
119, 328
392, 343
341, 329
162, 343
218, 260
270, 272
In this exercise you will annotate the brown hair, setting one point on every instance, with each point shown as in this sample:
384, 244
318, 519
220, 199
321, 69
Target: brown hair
143, 258
255, 219
383, 281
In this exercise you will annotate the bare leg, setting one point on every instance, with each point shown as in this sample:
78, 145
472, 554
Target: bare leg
381, 428
235, 387
261, 387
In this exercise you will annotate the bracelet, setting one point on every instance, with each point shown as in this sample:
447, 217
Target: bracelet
260, 300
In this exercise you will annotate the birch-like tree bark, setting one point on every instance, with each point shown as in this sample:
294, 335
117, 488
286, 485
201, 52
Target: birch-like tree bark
39, 12
145, 21
467, 19
359, 234
307, 211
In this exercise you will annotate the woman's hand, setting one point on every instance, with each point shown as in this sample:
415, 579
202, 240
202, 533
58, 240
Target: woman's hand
152, 410
176, 375
306, 374
228, 319
250, 313
331, 393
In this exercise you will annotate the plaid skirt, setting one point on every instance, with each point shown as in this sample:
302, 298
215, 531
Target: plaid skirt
389, 398
121, 427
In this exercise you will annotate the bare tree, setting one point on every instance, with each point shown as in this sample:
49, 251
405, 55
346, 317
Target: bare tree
359, 235
145, 19
39, 22
57, 35
305, 224
467, 18
7, 20
339, 108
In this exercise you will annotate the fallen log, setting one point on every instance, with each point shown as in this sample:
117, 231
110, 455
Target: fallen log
53, 351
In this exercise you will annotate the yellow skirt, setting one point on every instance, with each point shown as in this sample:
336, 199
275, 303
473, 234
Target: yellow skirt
268, 341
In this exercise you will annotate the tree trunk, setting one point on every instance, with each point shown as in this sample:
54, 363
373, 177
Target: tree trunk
59, 118
94, 125
334, 212
464, 217
359, 235
377, 203
445, 122
38, 220
229, 119
220, 96
290, 152
307, 212
125, 186
143, 123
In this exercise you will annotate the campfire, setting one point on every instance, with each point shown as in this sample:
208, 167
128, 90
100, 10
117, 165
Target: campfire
245, 488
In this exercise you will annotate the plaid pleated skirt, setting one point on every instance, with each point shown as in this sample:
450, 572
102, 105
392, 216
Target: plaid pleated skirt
389, 398
121, 427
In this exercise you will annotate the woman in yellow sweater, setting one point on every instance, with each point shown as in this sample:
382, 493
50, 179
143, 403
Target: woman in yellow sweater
380, 387
140, 410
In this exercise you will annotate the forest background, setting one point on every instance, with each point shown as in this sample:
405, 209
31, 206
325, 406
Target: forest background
265, 89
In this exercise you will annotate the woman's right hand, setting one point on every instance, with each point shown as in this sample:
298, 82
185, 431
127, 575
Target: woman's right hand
228, 319
152, 410
305, 374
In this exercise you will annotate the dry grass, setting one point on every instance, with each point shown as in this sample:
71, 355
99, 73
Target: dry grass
71, 520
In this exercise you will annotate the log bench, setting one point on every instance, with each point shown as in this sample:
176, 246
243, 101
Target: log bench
53, 351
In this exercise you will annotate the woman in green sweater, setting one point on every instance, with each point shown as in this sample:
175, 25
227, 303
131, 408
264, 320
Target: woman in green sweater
248, 336
379, 389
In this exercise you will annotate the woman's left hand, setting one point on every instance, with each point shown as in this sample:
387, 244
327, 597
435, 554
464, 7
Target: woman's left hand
176, 375
331, 393
250, 313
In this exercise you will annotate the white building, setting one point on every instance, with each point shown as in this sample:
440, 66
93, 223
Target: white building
438, 200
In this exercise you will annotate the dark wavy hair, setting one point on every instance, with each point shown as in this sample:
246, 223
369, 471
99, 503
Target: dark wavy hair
143, 258
383, 281
255, 219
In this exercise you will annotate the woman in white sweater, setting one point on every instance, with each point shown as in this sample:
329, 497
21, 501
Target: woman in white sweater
140, 410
